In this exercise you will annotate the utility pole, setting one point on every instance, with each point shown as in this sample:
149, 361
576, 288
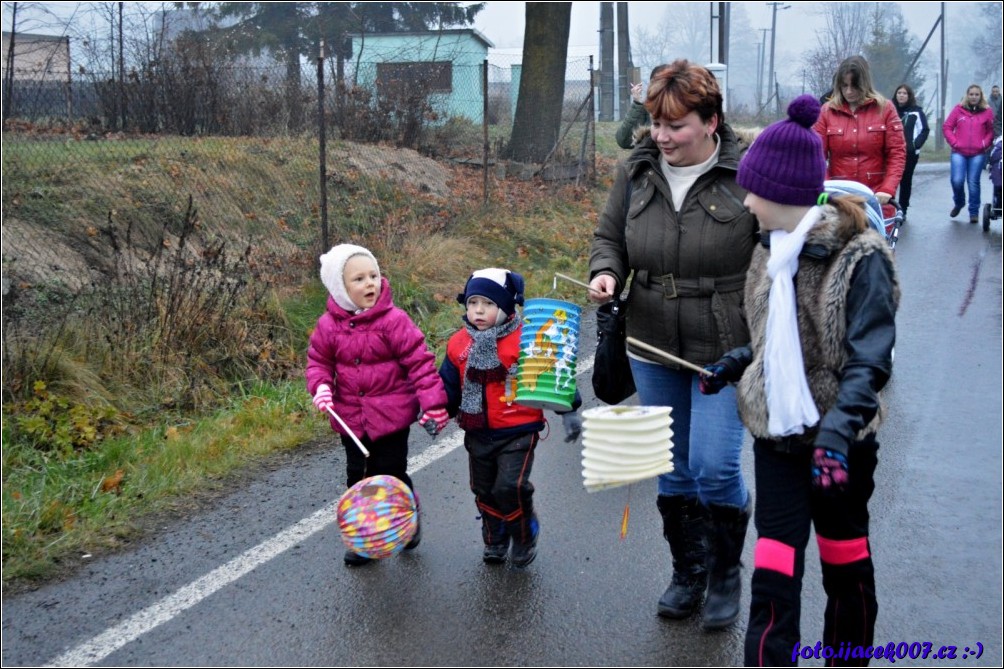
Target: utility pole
761, 59
711, 32
771, 84
942, 85
724, 26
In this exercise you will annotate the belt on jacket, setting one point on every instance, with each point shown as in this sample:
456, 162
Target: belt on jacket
704, 286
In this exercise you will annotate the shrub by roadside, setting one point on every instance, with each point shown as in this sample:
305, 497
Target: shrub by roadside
187, 366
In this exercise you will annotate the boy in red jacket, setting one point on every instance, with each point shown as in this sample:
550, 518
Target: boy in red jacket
479, 373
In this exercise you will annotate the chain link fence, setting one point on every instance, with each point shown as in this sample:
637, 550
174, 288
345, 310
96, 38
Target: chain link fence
143, 195
242, 141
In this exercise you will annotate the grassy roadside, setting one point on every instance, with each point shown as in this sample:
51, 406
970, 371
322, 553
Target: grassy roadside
63, 503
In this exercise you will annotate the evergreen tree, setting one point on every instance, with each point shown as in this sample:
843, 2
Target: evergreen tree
890, 50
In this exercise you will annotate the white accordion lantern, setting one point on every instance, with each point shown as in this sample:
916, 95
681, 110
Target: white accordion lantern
624, 444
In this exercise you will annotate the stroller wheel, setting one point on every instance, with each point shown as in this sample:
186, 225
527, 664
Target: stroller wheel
987, 212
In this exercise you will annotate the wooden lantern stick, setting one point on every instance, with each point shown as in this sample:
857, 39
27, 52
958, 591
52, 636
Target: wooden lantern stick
668, 356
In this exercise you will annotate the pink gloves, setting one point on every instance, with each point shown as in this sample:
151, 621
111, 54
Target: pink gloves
322, 398
434, 421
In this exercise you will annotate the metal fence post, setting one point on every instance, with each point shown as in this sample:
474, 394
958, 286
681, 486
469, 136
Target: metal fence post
323, 149
592, 116
484, 126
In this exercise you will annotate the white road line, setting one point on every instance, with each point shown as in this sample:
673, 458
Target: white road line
111, 640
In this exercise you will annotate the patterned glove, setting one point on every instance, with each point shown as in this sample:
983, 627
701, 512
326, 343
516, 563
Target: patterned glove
572, 423
829, 470
322, 398
434, 421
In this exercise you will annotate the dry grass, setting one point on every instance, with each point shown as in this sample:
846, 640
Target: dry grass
207, 403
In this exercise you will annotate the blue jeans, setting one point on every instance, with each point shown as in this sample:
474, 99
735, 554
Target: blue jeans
967, 169
707, 435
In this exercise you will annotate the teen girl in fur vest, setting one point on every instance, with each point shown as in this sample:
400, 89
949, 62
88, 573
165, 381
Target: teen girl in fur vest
821, 298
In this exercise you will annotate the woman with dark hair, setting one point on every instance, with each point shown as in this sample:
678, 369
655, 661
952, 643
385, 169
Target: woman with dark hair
861, 132
915, 131
675, 218
969, 130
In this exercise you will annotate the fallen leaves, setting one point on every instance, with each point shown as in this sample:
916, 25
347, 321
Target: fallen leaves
113, 483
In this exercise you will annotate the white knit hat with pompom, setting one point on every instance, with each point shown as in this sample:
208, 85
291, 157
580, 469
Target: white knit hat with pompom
333, 269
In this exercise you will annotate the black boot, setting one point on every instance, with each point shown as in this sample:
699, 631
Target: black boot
496, 539
683, 525
416, 539
726, 536
353, 559
524, 540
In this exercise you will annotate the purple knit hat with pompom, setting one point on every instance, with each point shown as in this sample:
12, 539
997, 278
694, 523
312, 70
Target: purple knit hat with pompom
786, 163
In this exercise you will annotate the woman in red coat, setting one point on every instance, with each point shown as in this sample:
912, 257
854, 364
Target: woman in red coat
969, 130
862, 133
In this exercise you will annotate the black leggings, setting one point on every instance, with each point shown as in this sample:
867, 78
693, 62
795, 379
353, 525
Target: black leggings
787, 506
388, 455
906, 183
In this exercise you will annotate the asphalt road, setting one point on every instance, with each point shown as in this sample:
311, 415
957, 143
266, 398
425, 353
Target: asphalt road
257, 579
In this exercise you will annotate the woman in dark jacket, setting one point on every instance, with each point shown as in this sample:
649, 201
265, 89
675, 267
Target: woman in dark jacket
915, 131
676, 219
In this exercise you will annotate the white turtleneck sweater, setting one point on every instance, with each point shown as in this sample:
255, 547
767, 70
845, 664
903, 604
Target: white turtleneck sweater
680, 179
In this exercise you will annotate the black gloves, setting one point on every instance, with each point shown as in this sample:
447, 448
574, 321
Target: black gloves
728, 369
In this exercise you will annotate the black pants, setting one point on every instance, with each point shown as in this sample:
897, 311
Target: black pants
388, 455
500, 480
906, 183
786, 506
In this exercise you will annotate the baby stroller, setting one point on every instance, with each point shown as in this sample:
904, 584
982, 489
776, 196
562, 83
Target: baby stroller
992, 209
886, 219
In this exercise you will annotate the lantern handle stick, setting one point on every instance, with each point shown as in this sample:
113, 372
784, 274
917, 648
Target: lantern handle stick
668, 356
349, 430
575, 281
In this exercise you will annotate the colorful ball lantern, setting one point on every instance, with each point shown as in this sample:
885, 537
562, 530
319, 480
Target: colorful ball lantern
377, 516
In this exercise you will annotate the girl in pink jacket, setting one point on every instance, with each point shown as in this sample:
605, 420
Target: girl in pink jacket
969, 130
368, 362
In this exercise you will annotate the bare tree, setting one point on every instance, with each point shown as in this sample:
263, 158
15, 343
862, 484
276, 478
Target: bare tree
26, 18
848, 25
876, 31
986, 45
682, 32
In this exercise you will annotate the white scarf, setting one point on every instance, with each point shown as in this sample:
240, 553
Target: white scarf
790, 407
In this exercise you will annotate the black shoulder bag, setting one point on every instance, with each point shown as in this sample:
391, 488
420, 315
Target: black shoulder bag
612, 380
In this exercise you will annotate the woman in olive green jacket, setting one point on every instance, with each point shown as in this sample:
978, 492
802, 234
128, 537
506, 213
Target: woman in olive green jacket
675, 219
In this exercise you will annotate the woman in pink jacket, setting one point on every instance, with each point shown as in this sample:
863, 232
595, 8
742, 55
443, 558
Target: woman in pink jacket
969, 130
368, 361
862, 133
